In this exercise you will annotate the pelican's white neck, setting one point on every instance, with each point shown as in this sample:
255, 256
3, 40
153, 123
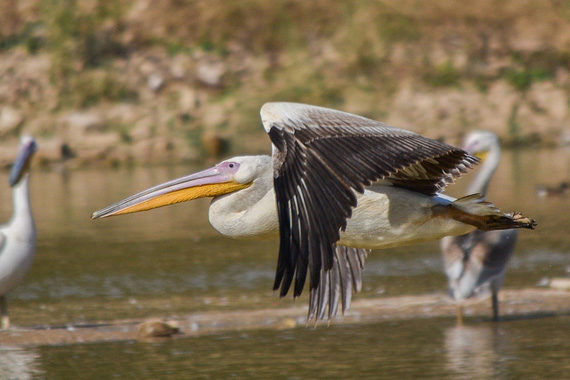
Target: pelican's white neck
21, 200
485, 172
251, 211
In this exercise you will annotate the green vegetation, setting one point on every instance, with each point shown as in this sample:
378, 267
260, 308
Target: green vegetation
123, 130
397, 27
81, 37
444, 75
27, 37
530, 68
513, 124
79, 47
92, 87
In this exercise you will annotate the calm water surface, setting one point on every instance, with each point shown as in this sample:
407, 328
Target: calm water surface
170, 261
518, 349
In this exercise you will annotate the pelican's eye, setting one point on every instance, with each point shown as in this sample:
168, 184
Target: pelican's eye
228, 167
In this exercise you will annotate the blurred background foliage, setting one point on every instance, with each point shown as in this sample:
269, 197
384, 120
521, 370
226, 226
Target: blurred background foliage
140, 81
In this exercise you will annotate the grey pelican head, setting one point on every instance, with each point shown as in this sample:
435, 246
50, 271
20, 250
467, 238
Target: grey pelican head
21, 165
480, 143
485, 146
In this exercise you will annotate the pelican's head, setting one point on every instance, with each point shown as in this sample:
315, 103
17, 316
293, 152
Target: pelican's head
21, 165
226, 177
480, 143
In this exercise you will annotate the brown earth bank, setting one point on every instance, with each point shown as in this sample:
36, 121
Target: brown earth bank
109, 82
515, 304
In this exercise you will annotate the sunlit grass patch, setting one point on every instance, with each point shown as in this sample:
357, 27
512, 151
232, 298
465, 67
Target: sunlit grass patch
444, 75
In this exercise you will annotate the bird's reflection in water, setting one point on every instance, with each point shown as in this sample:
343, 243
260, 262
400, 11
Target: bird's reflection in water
18, 363
474, 352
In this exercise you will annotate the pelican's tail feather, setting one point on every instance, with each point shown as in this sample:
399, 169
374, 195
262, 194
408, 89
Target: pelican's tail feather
475, 210
508, 221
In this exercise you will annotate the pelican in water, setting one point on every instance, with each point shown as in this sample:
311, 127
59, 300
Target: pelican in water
475, 263
18, 236
335, 182
558, 190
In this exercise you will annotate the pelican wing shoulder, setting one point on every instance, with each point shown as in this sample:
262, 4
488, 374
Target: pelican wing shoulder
321, 157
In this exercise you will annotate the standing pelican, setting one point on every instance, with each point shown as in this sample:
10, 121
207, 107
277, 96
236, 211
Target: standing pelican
334, 179
18, 236
475, 262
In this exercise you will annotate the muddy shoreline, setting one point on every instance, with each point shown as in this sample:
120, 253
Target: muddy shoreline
515, 304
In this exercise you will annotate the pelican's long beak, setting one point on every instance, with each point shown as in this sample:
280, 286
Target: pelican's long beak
472, 149
22, 163
207, 183
482, 155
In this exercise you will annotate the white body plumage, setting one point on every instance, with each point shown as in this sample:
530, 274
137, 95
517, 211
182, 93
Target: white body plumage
385, 216
18, 240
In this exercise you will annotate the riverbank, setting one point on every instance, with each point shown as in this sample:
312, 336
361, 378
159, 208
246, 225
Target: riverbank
104, 83
516, 304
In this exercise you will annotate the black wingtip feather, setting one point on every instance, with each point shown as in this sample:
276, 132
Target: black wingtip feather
337, 285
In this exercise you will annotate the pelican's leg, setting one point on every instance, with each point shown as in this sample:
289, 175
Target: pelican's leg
495, 300
5, 319
459, 314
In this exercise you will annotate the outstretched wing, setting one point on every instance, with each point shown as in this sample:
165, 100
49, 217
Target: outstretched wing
321, 157
338, 283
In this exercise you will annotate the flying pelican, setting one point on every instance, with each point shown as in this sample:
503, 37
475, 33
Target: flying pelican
334, 179
475, 262
18, 236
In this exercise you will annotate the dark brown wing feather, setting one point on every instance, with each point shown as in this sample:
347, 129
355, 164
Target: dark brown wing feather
321, 157
338, 284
